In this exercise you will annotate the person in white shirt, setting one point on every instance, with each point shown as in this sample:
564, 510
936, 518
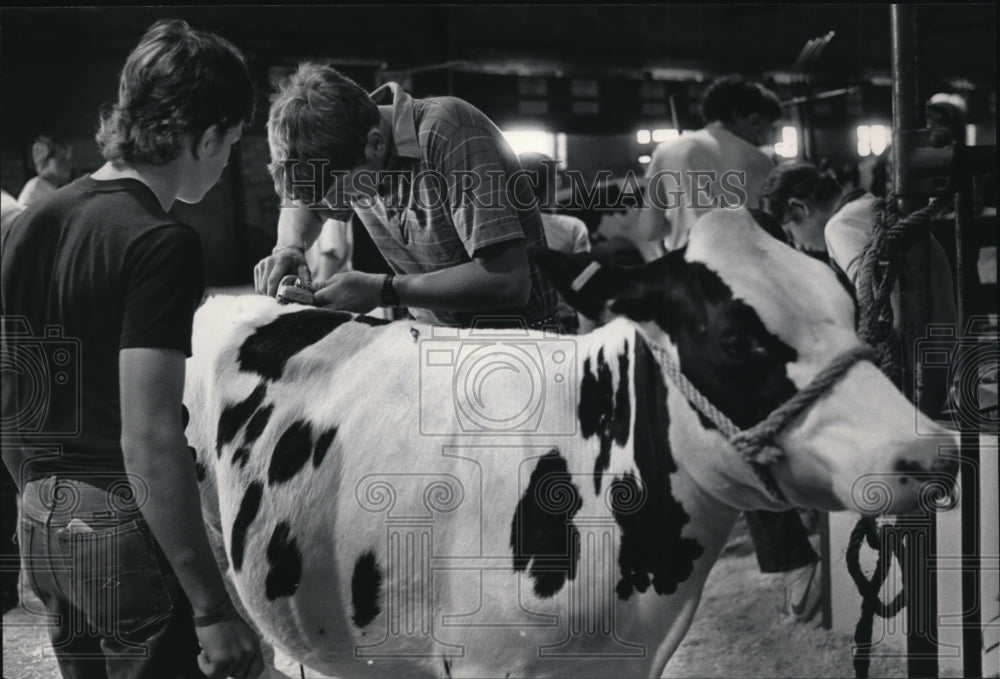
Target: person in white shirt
836, 226
718, 166
564, 233
52, 163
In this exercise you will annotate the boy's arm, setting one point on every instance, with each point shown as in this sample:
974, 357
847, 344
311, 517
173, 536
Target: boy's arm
156, 457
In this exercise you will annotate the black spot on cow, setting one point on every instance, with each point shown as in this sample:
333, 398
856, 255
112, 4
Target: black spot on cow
290, 453
602, 411
366, 589
725, 350
185, 416
257, 424
249, 507
542, 533
652, 549
323, 445
267, 350
373, 321
235, 415
285, 559
199, 468
241, 456
255, 427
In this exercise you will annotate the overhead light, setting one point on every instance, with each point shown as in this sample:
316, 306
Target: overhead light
880, 135
788, 147
864, 141
531, 140
665, 134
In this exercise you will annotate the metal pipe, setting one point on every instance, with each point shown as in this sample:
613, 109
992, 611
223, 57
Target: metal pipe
907, 114
844, 91
969, 428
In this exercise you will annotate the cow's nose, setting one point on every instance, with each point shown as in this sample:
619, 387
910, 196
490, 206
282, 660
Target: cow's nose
945, 468
936, 482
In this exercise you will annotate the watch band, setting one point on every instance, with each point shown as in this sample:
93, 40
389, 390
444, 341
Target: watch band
389, 295
217, 614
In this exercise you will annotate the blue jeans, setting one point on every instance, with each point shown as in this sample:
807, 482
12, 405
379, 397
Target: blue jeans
114, 605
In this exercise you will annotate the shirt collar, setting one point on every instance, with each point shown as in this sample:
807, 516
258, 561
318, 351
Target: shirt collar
404, 129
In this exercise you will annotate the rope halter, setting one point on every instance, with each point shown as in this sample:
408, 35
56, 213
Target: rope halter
756, 445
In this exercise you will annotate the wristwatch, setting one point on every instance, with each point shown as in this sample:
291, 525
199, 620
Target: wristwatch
389, 295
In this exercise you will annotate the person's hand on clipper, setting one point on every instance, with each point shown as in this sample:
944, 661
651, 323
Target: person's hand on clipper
298, 227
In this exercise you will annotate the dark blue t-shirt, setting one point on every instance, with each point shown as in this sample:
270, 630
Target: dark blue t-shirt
93, 269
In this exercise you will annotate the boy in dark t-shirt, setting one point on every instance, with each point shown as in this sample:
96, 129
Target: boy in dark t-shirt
99, 288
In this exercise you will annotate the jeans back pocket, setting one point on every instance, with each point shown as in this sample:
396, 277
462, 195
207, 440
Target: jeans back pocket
116, 579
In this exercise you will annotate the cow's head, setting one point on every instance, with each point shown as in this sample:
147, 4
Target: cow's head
751, 322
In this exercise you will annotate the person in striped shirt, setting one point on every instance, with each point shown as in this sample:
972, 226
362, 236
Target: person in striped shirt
435, 184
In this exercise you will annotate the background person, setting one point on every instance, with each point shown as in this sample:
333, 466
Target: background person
739, 118
52, 158
564, 233
836, 226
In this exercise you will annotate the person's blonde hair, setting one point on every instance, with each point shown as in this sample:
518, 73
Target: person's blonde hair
318, 123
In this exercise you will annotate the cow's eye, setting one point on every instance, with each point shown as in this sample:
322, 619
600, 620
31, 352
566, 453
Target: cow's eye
742, 345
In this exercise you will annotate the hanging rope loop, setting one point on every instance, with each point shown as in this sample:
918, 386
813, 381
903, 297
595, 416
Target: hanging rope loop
877, 274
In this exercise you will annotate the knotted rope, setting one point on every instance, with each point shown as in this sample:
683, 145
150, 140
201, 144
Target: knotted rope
756, 444
877, 273
871, 604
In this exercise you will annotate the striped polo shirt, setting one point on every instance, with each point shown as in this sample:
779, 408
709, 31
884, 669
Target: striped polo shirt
444, 197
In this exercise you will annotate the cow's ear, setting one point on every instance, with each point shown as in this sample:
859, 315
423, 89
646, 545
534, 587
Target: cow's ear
586, 284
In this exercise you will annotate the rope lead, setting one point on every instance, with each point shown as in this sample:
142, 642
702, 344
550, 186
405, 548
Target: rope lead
875, 282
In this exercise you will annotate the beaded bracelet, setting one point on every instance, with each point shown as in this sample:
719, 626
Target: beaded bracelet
215, 615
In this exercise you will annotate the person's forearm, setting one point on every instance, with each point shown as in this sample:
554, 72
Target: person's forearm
298, 227
173, 511
466, 287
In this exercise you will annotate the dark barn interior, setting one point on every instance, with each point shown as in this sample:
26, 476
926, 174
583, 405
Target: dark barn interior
595, 73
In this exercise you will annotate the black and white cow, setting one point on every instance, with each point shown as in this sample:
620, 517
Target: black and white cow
397, 502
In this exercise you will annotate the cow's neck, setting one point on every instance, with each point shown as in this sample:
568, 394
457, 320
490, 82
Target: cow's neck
660, 444
700, 451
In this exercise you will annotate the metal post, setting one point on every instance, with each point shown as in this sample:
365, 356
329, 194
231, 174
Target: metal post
967, 278
908, 114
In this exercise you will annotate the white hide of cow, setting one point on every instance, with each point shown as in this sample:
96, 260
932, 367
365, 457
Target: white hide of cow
391, 553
